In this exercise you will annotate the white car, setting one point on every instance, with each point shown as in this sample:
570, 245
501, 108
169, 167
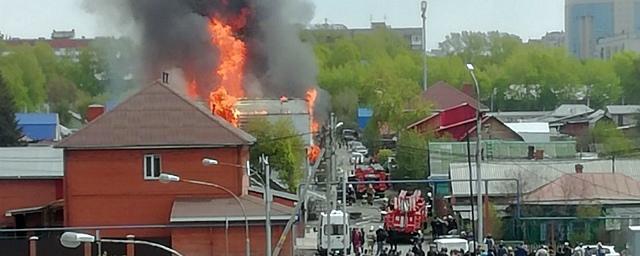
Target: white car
354, 143
452, 244
608, 250
360, 149
357, 158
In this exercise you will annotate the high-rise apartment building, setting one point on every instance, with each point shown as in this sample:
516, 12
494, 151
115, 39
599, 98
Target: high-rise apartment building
588, 22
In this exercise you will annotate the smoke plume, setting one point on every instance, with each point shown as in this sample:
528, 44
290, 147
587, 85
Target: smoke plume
174, 34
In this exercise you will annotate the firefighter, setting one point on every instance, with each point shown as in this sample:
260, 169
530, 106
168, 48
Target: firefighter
351, 195
371, 192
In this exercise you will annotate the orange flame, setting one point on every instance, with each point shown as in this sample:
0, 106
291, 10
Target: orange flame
311, 96
224, 105
313, 153
230, 71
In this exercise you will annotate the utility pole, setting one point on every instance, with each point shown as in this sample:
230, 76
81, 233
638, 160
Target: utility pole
331, 192
423, 7
264, 160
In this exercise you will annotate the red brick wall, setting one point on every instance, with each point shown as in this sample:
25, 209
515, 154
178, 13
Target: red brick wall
25, 193
212, 241
107, 187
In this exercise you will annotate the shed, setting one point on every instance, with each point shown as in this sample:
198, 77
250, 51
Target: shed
39, 126
533, 132
364, 115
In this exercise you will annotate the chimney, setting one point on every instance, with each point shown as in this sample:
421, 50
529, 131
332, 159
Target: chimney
94, 112
469, 89
165, 77
579, 168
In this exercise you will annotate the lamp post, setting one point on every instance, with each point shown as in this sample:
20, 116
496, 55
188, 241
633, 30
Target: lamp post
480, 207
73, 240
167, 178
423, 7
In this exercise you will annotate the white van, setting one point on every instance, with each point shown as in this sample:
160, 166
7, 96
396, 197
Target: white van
452, 244
331, 233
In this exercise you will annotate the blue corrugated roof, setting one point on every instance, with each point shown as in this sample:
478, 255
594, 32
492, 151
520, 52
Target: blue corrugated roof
37, 118
39, 126
365, 112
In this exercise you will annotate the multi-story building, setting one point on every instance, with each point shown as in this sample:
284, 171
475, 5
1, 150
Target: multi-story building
63, 43
588, 22
413, 35
552, 39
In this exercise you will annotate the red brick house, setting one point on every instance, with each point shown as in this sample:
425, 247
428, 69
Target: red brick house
459, 121
112, 167
31, 187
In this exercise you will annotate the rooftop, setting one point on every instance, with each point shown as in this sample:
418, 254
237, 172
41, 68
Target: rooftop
623, 109
30, 162
223, 209
444, 96
587, 188
157, 116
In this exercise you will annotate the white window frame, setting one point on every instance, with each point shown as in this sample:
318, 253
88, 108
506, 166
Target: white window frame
144, 166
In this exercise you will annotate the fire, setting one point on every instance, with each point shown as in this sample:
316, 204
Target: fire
310, 96
313, 153
224, 105
230, 70
232, 54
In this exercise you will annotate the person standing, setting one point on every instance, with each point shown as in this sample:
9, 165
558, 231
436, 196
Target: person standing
371, 240
600, 251
356, 240
521, 250
502, 251
371, 192
381, 236
578, 251
543, 251
490, 244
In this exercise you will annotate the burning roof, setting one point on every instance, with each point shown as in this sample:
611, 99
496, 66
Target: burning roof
157, 116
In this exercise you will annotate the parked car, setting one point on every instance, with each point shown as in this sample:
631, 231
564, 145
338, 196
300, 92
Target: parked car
360, 149
349, 134
590, 250
357, 158
354, 143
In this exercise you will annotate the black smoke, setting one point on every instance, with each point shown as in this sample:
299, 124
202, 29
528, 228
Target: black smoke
173, 33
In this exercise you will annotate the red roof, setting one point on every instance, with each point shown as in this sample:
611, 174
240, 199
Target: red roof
587, 188
157, 116
444, 96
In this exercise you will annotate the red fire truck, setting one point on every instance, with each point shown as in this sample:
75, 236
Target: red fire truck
408, 215
373, 172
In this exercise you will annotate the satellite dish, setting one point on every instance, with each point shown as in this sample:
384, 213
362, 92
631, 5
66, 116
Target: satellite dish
69, 240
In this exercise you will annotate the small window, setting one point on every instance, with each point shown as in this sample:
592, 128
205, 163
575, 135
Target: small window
152, 167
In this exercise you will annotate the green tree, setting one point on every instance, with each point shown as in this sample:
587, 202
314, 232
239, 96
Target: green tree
627, 67
610, 140
24, 77
10, 134
411, 156
494, 222
280, 142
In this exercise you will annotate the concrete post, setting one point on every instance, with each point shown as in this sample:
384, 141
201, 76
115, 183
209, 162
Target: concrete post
131, 246
32, 245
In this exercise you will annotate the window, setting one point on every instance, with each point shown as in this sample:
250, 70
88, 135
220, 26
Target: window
334, 229
152, 167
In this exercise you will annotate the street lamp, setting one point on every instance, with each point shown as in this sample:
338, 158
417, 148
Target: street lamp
423, 7
73, 240
167, 178
480, 208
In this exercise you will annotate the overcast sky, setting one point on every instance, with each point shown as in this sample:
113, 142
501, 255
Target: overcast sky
526, 18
